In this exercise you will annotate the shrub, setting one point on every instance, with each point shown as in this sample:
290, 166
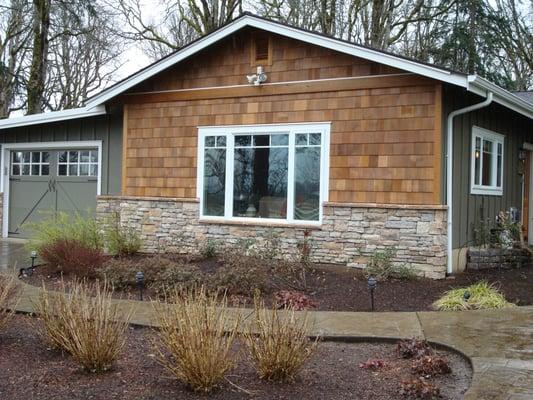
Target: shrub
120, 273
121, 240
478, 296
291, 274
374, 365
278, 343
9, 291
419, 388
431, 366
66, 227
180, 276
208, 249
292, 299
72, 257
413, 348
381, 267
239, 275
194, 346
85, 323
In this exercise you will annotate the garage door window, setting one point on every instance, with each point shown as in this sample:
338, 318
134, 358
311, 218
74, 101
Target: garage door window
30, 163
77, 163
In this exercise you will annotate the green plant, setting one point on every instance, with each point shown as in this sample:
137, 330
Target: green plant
72, 257
208, 249
9, 293
482, 233
278, 342
478, 296
121, 240
381, 267
508, 230
271, 246
66, 227
195, 338
85, 322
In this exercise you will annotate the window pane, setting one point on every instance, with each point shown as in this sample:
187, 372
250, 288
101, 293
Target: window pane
314, 139
84, 169
280, 140
35, 169
307, 184
35, 157
94, 170
221, 141
45, 156
210, 141
26, 156
301, 139
94, 156
73, 156
15, 170
214, 181
261, 140
243, 140
84, 156
73, 170
17, 156
499, 166
477, 162
63, 156
45, 169
260, 183
26, 169
486, 175
62, 170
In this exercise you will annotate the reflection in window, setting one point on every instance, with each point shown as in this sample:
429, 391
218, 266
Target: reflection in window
487, 162
77, 163
214, 175
33, 163
307, 179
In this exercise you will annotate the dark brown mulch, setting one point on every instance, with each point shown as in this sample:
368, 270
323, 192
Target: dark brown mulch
28, 370
345, 289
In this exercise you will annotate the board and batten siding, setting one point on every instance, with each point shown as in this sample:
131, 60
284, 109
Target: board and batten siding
468, 209
107, 128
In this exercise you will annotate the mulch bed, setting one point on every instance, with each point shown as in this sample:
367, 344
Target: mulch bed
28, 370
345, 289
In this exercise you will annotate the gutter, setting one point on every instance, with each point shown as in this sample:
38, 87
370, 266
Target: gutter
449, 172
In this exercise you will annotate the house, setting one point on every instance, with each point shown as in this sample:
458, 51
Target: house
260, 128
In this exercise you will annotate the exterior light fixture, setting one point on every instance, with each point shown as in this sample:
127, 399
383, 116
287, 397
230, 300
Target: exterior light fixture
522, 155
25, 272
139, 278
372, 283
466, 295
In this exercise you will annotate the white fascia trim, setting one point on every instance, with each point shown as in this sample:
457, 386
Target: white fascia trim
481, 86
53, 116
308, 37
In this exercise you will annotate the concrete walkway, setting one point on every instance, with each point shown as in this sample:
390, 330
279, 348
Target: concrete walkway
499, 343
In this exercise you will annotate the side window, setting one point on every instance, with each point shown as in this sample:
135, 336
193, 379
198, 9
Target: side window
487, 162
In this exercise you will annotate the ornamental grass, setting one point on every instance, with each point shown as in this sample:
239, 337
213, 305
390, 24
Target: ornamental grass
9, 293
196, 336
478, 296
278, 342
84, 322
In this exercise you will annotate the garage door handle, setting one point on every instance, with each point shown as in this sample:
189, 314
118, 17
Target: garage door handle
92, 180
14, 179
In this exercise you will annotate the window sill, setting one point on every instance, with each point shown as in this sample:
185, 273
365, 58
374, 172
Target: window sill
261, 223
486, 191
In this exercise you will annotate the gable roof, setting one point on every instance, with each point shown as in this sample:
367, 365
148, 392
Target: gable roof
473, 83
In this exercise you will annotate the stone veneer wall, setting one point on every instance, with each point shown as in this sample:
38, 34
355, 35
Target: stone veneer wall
349, 234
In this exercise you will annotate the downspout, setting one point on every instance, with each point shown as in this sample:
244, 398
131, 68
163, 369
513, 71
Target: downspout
449, 172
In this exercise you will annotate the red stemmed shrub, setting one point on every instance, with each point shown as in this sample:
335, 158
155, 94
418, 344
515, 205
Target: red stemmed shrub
72, 257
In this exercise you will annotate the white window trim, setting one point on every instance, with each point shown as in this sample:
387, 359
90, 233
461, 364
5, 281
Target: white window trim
6, 159
496, 138
291, 128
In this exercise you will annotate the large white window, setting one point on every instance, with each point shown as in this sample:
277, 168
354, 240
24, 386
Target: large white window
263, 172
487, 162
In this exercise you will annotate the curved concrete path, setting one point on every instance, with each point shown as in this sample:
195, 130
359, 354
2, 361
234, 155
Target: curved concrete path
498, 343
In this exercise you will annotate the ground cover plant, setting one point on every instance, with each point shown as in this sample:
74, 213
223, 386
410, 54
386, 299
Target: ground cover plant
85, 323
478, 296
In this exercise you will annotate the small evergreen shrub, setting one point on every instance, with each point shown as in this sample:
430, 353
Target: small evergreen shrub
209, 248
381, 267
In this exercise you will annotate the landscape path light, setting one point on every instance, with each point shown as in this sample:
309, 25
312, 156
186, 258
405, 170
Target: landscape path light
139, 278
372, 283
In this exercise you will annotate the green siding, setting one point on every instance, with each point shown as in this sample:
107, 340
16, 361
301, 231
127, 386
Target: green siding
107, 128
468, 208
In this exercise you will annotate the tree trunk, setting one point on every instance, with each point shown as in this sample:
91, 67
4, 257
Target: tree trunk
36, 81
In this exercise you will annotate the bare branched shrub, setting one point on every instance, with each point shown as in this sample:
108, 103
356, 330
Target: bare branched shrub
279, 342
85, 323
196, 335
9, 291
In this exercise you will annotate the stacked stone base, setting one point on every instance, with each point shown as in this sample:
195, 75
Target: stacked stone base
349, 234
478, 259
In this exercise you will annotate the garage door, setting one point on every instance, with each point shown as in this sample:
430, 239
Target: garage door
43, 182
